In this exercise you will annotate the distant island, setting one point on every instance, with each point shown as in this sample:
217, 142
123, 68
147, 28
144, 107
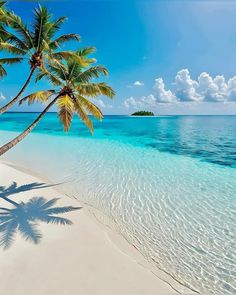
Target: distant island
143, 113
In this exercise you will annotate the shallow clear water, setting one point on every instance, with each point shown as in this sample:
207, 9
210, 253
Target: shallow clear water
169, 183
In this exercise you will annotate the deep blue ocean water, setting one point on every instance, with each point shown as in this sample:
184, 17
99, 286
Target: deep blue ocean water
209, 138
168, 183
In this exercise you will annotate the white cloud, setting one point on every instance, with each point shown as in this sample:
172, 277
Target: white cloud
185, 89
162, 95
232, 89
130, 102
101, 104
138, 83
212, 89
205, 88
143, 102
149, 100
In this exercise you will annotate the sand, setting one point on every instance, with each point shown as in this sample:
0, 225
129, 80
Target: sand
82, 258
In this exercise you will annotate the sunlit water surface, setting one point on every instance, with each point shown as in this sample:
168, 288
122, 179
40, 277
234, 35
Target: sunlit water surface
169, 183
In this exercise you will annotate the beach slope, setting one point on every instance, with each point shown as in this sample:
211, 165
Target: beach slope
67, 259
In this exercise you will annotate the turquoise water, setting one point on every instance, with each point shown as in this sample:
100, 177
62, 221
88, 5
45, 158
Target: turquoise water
169, 183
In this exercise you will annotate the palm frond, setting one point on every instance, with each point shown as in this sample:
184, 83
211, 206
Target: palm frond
74, 68
2, 3
10, 60
58, 69
3, 33
95, 89
64, 38
55, 72
40, 96
16, 23
55, 26
70, 55
83, 52
45, 46
41, 19
12, 39
3, 11
53, 79
11, 48
92, 72
106, 90
3, 72
83, 62
83, 116
89, 106
66, 110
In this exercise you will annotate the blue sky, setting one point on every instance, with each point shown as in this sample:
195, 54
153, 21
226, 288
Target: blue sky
172, 57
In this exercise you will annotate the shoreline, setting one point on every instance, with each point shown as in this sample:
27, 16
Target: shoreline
119, 242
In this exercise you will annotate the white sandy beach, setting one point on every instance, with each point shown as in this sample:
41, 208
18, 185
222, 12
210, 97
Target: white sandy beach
73, 259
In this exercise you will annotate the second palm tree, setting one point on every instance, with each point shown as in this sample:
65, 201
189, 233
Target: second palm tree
73, 90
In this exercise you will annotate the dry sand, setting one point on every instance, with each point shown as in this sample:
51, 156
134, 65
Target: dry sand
82, 258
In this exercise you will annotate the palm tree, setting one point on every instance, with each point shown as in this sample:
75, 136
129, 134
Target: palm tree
38, 44
3, 38
74, 89
24, 218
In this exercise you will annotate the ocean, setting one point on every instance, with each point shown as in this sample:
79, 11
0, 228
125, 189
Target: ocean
168, 183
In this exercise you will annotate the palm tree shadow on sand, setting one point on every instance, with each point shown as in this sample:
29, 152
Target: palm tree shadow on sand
24, 217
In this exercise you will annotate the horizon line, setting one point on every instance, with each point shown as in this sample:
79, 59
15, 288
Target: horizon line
129, 115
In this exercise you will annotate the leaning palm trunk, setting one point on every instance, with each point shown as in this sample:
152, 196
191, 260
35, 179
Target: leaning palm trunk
20, 137
14, 100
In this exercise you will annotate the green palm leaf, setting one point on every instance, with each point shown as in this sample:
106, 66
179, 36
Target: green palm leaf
10, 60
40, 96
89, 106
54, 80
39, 35
16, 23
2, 3
84, 52
66, 110
11, 48
12, 39
55, 26
89, 74
2, 71
68, 56
83, 116
64, 38
74, 77
95, 89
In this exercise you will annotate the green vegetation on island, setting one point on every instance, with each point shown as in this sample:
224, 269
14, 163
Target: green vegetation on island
143, 113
